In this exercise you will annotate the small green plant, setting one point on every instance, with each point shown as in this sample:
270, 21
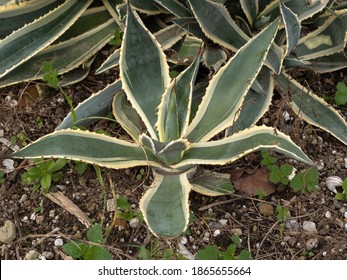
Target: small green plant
342, 195
20, 138
260, 194
125, 211
50, 75
117, 39
341, 94
80, 167
140, 174
307, 254
2, 175
40, 208
280, 174
39, 122
267, 159
283, 214
87, 251
212, 252
305, 181
156, 251
43, 173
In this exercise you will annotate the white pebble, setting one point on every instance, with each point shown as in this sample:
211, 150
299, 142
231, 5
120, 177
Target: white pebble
184, 240
324, 254
134, 222
216, 233
345, 214
345, 159
223, 222
33, 216
327, 214
345, 226
9, 164
58, 242
286, 116
309, 226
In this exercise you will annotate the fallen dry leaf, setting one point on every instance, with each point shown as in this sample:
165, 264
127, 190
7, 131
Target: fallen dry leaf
249, 181
68, 205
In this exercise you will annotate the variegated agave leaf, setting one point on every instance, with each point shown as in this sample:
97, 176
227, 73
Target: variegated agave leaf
24, 43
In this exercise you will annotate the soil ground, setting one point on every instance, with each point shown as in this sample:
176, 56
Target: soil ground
39, 222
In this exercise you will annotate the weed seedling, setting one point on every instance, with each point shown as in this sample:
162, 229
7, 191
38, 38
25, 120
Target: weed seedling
283, 214
2, 175
125, 211
80, 167
343, 194
212, 252
260, 194
306, 181
43, 173
341, 94
140, 175
83, 251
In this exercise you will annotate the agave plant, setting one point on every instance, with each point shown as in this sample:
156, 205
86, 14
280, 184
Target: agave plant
166, 133
65, 33
321, 50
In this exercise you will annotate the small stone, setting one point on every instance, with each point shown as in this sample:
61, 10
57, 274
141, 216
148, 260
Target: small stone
312, 243
236, 231
309, 226
223, 222
58, 242
339, 222
48, 255
39, 219
8, 232
9, 165
266, 209
185, 252
23, 198
292, 224
51, 213
61, 187
345, 226
32, 255
327, 214
111, 205
184, 240
324, 254
216, 233
134, 222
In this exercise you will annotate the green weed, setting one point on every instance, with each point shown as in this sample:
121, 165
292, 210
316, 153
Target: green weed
43, 173
81, 250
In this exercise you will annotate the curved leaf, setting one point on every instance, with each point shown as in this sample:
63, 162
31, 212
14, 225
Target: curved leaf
21, 45
98, 104
64, 56
227, 89
89, 147
127, 117
174, 109
250, 8
292, 27
327, 39
313, 109
231, 148
256, 102
165, 205
175, 7
143, 71
12, 17
212, 183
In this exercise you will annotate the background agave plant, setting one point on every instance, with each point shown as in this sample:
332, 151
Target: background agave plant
167, 133
312, 36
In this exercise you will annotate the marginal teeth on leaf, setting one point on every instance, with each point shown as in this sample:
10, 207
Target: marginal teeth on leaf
332, 182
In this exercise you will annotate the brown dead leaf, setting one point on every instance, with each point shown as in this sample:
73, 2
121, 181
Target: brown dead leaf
69, 206
249, 181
